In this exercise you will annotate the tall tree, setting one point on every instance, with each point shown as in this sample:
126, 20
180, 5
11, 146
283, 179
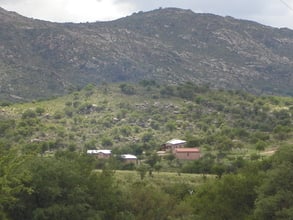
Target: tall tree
228, 198
275, 195
13, 179
65, 187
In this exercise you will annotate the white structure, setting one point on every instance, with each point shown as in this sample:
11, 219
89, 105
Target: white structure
176, 142
129, 158
100, 153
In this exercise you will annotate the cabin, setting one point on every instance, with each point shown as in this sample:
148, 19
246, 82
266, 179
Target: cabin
187, 153
174, 144
100, 154
129, 158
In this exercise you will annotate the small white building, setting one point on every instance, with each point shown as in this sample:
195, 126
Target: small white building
174, 144
129, 158
101, 154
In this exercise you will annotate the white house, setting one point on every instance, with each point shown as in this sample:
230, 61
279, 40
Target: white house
103, 154
129, 158
173, 144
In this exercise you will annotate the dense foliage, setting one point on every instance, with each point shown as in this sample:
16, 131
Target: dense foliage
59, 187
46, 174
65, 186
226, 125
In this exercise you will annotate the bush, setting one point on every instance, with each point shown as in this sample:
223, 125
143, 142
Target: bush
107, 142
127, 89
58, 115
261, 145
29, 113
40, 110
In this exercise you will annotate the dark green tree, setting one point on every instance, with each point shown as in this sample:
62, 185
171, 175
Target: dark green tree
13, 180
127, 89
29, 113
228, 198
275, 195
142, 170
150, 203
65, 187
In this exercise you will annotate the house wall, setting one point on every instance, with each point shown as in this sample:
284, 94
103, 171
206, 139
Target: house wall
173, 147
187, 155
103, 156
134, 161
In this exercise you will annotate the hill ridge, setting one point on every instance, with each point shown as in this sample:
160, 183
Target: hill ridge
42, 59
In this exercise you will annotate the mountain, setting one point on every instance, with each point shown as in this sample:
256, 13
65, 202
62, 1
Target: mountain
41, 59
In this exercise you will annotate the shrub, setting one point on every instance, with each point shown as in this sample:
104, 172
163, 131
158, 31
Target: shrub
40, 110
29, 113
107, 142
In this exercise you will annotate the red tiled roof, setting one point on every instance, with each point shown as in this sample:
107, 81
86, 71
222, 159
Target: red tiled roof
187, 150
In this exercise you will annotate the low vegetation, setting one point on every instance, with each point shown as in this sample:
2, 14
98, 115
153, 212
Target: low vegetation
64, 186
46, 174
224, 124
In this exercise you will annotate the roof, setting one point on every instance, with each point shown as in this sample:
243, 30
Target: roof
187, 150
98, 151
161, 152
128, 156
176, 141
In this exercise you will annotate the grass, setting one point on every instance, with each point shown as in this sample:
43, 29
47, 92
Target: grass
126, 178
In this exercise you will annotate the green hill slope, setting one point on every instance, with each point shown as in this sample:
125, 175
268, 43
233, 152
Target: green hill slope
132, 118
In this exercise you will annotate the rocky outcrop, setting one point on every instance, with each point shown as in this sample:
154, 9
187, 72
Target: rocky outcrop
41, 59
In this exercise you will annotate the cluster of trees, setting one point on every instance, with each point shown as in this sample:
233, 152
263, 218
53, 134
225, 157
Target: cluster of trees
61, 184
146, 115
65, 186
60, 187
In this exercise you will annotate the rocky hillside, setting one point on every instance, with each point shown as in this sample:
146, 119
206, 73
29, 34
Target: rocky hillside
41, 59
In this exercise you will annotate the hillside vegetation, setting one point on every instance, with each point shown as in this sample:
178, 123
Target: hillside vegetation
137, 118
64, 186
42, 59
245, 168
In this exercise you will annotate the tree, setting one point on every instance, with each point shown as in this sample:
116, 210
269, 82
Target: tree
203, 165
170, 158
142, 170
167, 91
218, 169
6, 126
158, 167
282, 132
149, 203
147, 137
64, 187
260, 145
127, 89
107, 142
170, 126
40, 110
186, 91
275, 195
13, 179
29, 113
152, 161
231, 197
